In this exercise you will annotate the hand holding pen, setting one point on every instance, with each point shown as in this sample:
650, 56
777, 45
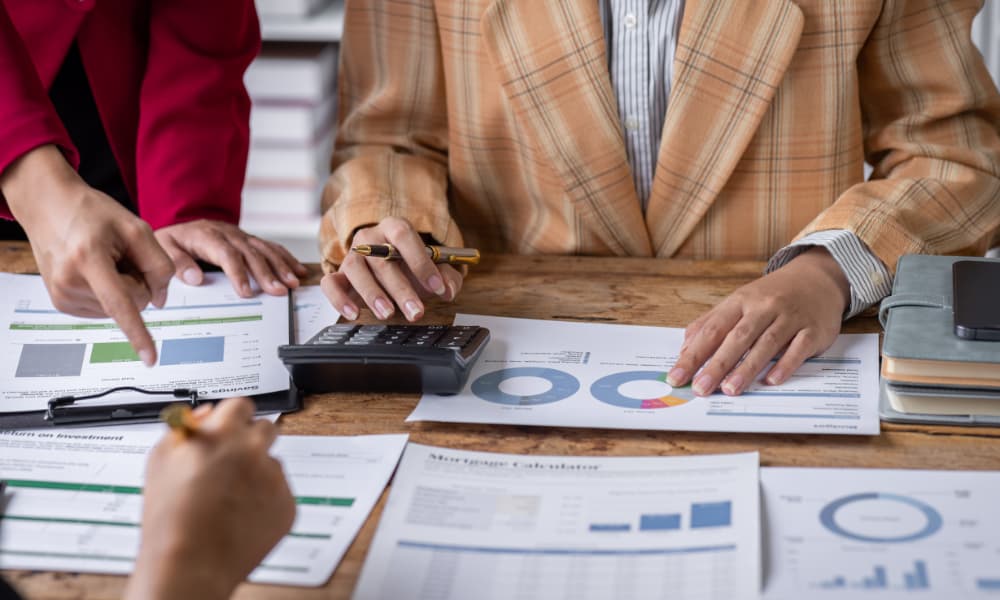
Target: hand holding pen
215, 502
393, 267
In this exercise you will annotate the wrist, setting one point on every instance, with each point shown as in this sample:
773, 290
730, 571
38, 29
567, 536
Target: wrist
169, 571
42, 172
819, 259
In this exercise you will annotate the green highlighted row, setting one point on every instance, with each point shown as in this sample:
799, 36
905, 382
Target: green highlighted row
121, 489
150, 324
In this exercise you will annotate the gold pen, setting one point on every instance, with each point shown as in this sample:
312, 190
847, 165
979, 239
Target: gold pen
180, 419
438, 254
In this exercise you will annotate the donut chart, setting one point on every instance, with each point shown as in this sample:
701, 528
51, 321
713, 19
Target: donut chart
487, 386
933, 520
605, 389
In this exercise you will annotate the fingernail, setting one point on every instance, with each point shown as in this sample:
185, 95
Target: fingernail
732, 386
452, 292
676, 376
382, 308
350, 312
190, 277
702, 385
276, 284
245, 289
436, 285
412, 309
774, 377
290, 277
147, 357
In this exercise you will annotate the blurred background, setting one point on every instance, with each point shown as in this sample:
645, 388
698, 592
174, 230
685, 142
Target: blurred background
293, 87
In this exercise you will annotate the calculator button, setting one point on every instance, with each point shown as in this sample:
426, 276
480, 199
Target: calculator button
372, 328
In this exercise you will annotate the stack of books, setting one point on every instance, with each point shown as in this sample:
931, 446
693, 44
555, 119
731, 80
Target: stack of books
292, 122
930, 374
295, 9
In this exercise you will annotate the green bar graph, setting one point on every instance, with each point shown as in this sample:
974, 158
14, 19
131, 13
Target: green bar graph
113, 352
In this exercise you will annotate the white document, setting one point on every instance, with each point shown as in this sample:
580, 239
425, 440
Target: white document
614, 376
313, 312
207, 337
75, 500
881, 534
462, 525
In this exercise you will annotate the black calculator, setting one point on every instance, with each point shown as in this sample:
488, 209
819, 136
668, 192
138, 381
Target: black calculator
434, 359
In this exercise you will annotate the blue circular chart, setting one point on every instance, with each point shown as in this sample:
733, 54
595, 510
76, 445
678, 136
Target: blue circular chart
933, 518
487, 386
605, 389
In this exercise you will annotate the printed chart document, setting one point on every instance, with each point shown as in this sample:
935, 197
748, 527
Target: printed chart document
462, 525
614, 376
207, 338
75, 500
868, 533
313, 312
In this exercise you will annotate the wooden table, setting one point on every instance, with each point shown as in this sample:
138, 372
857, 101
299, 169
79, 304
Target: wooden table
604, 290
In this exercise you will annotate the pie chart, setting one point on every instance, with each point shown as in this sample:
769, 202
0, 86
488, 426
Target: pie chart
560, 385
607, 390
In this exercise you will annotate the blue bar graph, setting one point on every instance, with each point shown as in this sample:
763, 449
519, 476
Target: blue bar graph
609, 527
659, 522
992, 585
711, 514
879, 581
192, 351
836, 583
917, 580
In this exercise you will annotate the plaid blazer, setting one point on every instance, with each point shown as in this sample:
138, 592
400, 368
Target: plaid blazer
493, 123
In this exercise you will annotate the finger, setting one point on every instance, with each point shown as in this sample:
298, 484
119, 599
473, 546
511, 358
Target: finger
691, 331
262, 434
802, 347
338, 290
117, 298
400, 234
150, 260
395, 282
735, 345
259, 265
229, 415
718, 322
185, 266
219, 251
767, 345
453, 280
363, 281
283, 262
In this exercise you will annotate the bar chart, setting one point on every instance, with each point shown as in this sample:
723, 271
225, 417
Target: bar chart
700, 516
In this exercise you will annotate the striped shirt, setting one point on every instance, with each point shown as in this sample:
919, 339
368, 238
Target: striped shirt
641, 39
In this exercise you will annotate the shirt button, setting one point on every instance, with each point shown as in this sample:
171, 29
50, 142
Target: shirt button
630, 21
876, 278
631, 123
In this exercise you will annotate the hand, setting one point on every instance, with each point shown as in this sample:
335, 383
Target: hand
379, 283
97, 259
214, 505
797, 308
237, 252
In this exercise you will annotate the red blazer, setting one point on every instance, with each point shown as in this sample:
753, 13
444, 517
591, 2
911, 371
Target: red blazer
167, 78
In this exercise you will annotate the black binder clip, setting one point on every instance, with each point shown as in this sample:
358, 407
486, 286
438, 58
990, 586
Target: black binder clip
64, 410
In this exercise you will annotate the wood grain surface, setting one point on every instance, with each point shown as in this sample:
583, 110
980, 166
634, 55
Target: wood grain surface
605, 290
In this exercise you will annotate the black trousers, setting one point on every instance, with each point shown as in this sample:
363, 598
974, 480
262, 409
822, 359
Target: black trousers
74, 102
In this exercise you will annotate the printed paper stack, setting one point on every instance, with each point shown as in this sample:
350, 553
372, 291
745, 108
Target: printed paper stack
292, 86
289, 8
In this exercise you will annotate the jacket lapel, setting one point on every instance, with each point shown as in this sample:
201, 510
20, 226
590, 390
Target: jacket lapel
731, 57
552, 59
